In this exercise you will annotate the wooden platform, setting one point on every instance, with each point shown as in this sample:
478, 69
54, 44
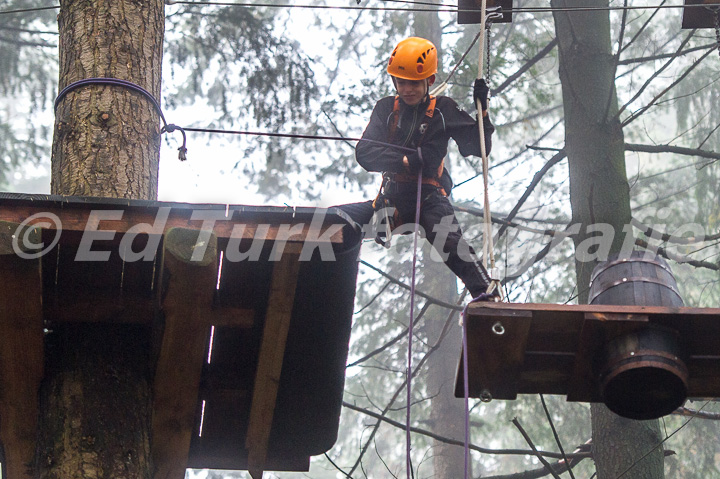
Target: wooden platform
469, 11
550, 349
251, 352
699, 17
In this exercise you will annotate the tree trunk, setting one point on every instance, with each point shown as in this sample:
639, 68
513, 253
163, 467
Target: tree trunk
95, 397
447, 414
107, 138
599, 195
95, 403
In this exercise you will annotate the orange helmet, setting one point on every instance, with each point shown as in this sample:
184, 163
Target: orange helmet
413, 59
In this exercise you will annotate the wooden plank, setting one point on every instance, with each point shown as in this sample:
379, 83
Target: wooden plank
546, 373
578, 309
272, 350
698, 17
234, 317
564, 341
158, 220
21, 351
496, 351
187, 304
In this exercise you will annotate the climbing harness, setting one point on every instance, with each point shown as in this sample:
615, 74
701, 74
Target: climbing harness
387, 217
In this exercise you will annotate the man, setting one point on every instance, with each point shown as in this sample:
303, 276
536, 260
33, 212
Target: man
408, 134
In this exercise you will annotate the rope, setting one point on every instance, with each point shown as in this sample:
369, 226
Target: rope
487, 216
418, 202
716, 11
487, 236
466, 388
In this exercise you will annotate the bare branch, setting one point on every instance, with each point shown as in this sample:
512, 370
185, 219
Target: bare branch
532, 446
683, 411
555, 434
394, 340
678, 257
642, 110
538, 56
655, 75
664, 237
680, 150
535, 181
455, 442
667, 55
415, 371
419, 293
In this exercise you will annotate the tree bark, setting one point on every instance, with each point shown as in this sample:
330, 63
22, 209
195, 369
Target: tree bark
95, 397
95, 404
599, 194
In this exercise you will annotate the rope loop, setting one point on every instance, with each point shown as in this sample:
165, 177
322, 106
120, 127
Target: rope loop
182, 151
182, 155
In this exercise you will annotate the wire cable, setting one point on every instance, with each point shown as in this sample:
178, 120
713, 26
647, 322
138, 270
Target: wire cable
27, 10
443, 7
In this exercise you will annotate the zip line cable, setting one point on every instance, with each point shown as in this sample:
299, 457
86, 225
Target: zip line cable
444, 7
28, 10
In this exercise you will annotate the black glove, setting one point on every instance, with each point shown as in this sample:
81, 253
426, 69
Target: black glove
480, 93
415, 163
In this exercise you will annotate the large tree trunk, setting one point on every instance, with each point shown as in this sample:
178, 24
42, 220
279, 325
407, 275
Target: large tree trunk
599, 194
96, 407
107, 138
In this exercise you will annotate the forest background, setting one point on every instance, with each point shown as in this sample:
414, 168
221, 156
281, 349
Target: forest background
315, 71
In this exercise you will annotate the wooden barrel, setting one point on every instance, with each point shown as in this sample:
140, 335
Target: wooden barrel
642, 374
640, 279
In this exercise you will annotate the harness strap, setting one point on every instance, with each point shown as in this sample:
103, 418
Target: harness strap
406, 177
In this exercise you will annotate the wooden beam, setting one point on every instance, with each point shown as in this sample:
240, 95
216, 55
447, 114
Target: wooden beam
187, 304
270, 360
21, 349
107, 308
159, 220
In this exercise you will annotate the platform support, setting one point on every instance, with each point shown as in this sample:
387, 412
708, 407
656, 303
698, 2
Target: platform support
270, 361
21, 349
187, 306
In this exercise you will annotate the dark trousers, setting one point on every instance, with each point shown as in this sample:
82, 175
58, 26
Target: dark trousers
440, 226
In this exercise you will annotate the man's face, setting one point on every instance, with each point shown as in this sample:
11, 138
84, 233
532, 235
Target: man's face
411, 91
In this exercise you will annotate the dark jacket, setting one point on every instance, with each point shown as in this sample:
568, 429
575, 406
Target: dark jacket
448, 121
